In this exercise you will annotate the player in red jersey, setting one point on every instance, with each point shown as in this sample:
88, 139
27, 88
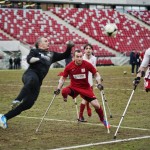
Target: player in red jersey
88, 56
78, 71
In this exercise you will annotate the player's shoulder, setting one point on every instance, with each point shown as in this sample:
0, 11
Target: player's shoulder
93, 57
147, 51
70, 64
86, 62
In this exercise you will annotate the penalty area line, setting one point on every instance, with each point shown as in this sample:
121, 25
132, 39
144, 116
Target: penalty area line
102, 143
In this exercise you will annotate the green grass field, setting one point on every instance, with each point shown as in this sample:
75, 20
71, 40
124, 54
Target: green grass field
60, 128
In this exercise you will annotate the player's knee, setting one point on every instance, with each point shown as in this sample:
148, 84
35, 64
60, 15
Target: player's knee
65, 92
27, 105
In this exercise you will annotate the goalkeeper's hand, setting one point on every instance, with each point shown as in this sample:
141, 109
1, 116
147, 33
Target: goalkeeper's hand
56, 92
100, 87
70, 44
136, 81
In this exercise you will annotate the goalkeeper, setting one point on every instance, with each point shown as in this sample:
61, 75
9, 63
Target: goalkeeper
78, 70
40, 60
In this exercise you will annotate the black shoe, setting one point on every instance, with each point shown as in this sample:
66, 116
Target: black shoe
81, 119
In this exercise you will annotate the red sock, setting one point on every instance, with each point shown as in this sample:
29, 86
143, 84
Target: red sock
100, 113
87, 105
89, 111
82, 107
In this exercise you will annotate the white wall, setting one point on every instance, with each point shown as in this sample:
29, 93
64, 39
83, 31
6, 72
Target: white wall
136, 2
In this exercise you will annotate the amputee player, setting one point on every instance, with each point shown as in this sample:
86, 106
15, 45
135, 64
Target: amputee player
39, 60
78, 71
88, 56
144, 67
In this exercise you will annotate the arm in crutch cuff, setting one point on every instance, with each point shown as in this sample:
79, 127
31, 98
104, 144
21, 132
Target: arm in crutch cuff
99, 81
60, 85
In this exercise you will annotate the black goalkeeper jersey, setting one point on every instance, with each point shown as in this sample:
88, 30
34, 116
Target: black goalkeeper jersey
41, 67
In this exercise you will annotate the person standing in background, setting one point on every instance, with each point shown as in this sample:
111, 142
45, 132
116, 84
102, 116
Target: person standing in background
10, 63
132, 61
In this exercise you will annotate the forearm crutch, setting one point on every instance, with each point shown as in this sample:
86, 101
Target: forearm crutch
75, 102
107, 104
104, 110
124, 112
45, 113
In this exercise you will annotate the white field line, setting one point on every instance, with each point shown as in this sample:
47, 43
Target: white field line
92, 124
102, 143
45, 86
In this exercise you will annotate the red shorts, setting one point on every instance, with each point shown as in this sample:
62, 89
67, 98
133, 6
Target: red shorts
147, 84
86, 93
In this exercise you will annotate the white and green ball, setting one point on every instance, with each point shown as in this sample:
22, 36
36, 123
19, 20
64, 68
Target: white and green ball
111, 29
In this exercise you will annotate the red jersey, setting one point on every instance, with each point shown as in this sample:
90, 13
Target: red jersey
79, 74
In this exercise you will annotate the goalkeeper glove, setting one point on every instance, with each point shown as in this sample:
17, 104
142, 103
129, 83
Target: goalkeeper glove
70, 44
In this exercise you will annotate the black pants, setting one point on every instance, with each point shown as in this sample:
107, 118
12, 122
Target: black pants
27, 95
132, 67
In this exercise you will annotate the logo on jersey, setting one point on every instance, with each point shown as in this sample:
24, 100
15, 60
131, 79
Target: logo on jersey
79, 76
83, 70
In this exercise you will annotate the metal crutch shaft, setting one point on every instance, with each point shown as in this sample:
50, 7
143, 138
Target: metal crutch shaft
107, 105
124, 112
75, 102
105, 111
45, 113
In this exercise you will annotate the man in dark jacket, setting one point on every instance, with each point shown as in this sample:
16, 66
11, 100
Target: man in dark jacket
39, 61
132, 61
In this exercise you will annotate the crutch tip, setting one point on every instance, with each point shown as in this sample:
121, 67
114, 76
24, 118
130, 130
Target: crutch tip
114, 137
110, 116
108, 131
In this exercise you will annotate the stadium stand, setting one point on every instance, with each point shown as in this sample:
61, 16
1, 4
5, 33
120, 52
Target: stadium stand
3, 37
104, 62
27, 25
141, 15
92, 22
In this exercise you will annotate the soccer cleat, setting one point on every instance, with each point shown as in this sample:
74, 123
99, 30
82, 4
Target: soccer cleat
15, 103
65, 99
81, 119
106, 124
89, 112
3, 121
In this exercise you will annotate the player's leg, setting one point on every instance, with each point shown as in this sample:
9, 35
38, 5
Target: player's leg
89, 110
99, 111
82, 107
26, 103
28, 79
68, 91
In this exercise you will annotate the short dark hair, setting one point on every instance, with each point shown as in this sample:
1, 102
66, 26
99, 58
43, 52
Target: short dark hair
77, 51
38, 41
88, 44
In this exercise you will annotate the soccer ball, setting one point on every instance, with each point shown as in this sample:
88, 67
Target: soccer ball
125, 72
110, 29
